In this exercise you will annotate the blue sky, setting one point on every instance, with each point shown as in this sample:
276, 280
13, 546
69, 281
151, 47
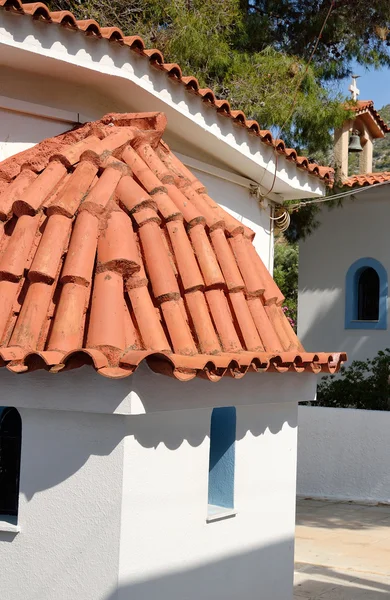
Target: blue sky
373, 85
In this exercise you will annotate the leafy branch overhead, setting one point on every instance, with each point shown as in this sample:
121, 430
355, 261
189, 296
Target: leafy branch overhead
254, 52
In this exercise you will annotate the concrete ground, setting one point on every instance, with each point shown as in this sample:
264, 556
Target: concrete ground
342, 551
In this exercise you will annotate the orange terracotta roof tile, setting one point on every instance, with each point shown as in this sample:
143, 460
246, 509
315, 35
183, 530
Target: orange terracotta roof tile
367, 179
40, 11
368, 106
116, 255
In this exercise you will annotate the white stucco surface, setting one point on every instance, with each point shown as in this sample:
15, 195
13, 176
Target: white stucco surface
343, 454
168, 550
70, 507
359, 228
113, 506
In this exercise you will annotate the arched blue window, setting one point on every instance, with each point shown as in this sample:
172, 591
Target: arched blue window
366, 295
10, 448
222, 457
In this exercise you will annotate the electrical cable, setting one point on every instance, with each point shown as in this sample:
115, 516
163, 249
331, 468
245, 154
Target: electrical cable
352, 192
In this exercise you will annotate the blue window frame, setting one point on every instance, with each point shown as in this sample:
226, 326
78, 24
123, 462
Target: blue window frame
366, 291
222, 457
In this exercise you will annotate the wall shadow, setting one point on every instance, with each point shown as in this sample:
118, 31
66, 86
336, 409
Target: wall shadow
262, 573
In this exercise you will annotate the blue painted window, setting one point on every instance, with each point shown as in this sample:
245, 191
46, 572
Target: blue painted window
366, 295
222, 457
10, 448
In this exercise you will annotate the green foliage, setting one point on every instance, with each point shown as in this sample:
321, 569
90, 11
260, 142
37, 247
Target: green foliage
382, 146
355, 30
364, 384
255, 52
286, 276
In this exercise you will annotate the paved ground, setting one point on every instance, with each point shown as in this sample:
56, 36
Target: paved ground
342, 551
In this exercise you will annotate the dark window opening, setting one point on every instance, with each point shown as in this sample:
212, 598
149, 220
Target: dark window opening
368, 295
10, 448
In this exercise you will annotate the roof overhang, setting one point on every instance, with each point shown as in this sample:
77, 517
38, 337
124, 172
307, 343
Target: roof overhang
131, 81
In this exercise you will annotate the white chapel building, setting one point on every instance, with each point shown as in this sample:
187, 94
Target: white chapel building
344, 265
149, 378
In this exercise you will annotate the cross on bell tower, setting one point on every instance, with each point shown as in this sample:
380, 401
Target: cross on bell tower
353, 88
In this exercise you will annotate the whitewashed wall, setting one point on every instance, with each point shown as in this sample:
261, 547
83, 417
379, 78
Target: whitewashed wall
113, 506
168, 550
344, 454
358, 229
70, 508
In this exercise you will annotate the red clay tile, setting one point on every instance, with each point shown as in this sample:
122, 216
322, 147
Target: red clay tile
178, 329
68, 323
32, 317
68, 201
245, 322
213, 219
160, 272
81, 253
133, 196
103, 190
268, 335
8, 291
191, 215
254, 284
145, 176
106, 327
226, 260
14, 191
51, 247
166, 207
223, 321
35, 195
117, 249
208, 263
176, 281
154, 163
71, 154
190, 274
13, 261
204, 328
152, 333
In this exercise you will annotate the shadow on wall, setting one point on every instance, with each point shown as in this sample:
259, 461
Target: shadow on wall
61, 445
248, 575
62, 442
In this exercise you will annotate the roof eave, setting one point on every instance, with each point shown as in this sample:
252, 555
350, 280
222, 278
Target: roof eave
52, 49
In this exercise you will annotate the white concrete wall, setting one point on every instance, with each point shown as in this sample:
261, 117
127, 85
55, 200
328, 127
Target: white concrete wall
168, 550
357, 229
70, 507
121, 499
344, 454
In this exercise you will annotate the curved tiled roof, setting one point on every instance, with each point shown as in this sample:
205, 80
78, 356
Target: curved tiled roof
112, 252
368, 105
90, 27
367, 179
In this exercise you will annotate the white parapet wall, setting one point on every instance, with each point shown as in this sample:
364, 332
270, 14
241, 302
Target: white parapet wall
344, 454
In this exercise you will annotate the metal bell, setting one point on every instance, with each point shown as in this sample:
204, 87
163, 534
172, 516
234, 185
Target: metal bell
354, 143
